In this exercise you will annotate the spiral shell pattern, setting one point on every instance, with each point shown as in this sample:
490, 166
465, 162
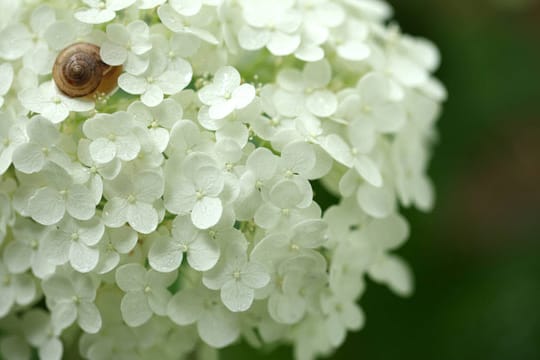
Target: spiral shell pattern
78, 70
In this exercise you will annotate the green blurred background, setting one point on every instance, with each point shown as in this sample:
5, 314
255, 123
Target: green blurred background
476, 258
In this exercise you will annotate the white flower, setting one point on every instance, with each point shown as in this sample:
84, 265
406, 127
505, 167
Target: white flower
156, 81
149, 4
12, 134
15, 41
41, 334
216, 325
159, 120
115, 242
48, 204
42, 146
26, 251
284, 200
225, 94
341, 315
236, 277
306, 90
48, 101
16, 289
126, 45
131, 198
302, 238
145, 292
188, 19
70, 297
195, 189
101, 11
6, 78
74, 241
350, 40
272, 24
166, 253
112, 137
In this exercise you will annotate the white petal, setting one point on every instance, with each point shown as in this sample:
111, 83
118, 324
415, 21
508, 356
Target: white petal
142, 217
132, 84
89, 317
80, 202
368, 170
377, 202
206, 212
95, 16
185, 307
102, 150
203, 254
131, 277
47, 206
322, 103
236, 296
281, 44
165, 255
83, 258
135, 309
153, 96
113, 54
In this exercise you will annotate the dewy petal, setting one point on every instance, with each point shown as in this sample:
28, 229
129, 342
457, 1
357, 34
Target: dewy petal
209, 180
374, 88
153, 96
15, 41
102, 150
131, 277
322, 103
255, 275
206, 212
317, 75
368, 170
282, 44
135, 309
115, 212
47, 206
185, 307
218, 327
221, 109
6, 77
286, 194
253, 39
377, 202
203, 254
89, 318
28, 158
83, 258
165, 255
142, 217
227, 79
116, 5
237, 296
80, 202
243, 95
95, 16
172, 82
132, 84
113, 54
186, 7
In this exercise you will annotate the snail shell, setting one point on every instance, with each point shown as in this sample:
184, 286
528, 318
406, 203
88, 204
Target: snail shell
79, 71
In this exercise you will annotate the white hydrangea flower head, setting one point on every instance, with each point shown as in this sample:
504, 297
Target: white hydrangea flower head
176, 214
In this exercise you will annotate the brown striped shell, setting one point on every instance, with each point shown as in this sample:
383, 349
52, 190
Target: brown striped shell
79, 71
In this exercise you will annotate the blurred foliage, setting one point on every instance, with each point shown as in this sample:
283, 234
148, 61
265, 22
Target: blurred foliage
475, 257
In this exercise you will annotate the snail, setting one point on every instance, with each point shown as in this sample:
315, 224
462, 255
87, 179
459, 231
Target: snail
78, 71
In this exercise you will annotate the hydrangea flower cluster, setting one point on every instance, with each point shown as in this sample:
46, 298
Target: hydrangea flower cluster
176, 215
